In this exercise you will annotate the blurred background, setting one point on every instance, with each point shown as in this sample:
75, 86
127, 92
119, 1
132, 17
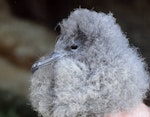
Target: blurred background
28, 31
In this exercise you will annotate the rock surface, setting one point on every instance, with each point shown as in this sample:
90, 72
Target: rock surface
13, 78
21, 44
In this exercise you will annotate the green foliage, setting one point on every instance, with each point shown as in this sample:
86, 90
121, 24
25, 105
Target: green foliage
11, 113
12, 105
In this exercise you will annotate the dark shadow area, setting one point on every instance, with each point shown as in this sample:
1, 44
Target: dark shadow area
12, 105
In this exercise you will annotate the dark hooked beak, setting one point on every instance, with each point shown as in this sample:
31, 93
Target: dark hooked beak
45, 61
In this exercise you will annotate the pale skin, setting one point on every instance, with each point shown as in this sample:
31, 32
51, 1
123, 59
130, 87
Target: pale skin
140, 111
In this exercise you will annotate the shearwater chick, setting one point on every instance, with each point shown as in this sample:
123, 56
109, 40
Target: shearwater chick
93, 70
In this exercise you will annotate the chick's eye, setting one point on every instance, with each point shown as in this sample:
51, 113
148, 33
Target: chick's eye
73, 47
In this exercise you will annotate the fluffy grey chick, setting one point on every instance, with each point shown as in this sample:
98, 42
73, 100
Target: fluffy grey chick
92, 72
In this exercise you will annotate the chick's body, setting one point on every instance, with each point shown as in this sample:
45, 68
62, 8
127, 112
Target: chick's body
98, 72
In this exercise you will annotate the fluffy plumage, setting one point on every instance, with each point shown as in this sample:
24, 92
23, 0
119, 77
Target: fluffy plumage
98, 72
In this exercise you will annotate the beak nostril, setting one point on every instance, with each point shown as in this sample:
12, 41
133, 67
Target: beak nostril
34, 67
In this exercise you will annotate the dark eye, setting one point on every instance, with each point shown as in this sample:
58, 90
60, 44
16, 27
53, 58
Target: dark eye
73, 47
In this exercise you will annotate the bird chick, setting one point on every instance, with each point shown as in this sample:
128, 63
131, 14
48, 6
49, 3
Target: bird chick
93, 70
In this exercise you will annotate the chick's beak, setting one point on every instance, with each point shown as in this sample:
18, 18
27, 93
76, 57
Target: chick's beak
45, 61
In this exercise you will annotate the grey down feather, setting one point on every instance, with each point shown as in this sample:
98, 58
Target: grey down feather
93, 70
